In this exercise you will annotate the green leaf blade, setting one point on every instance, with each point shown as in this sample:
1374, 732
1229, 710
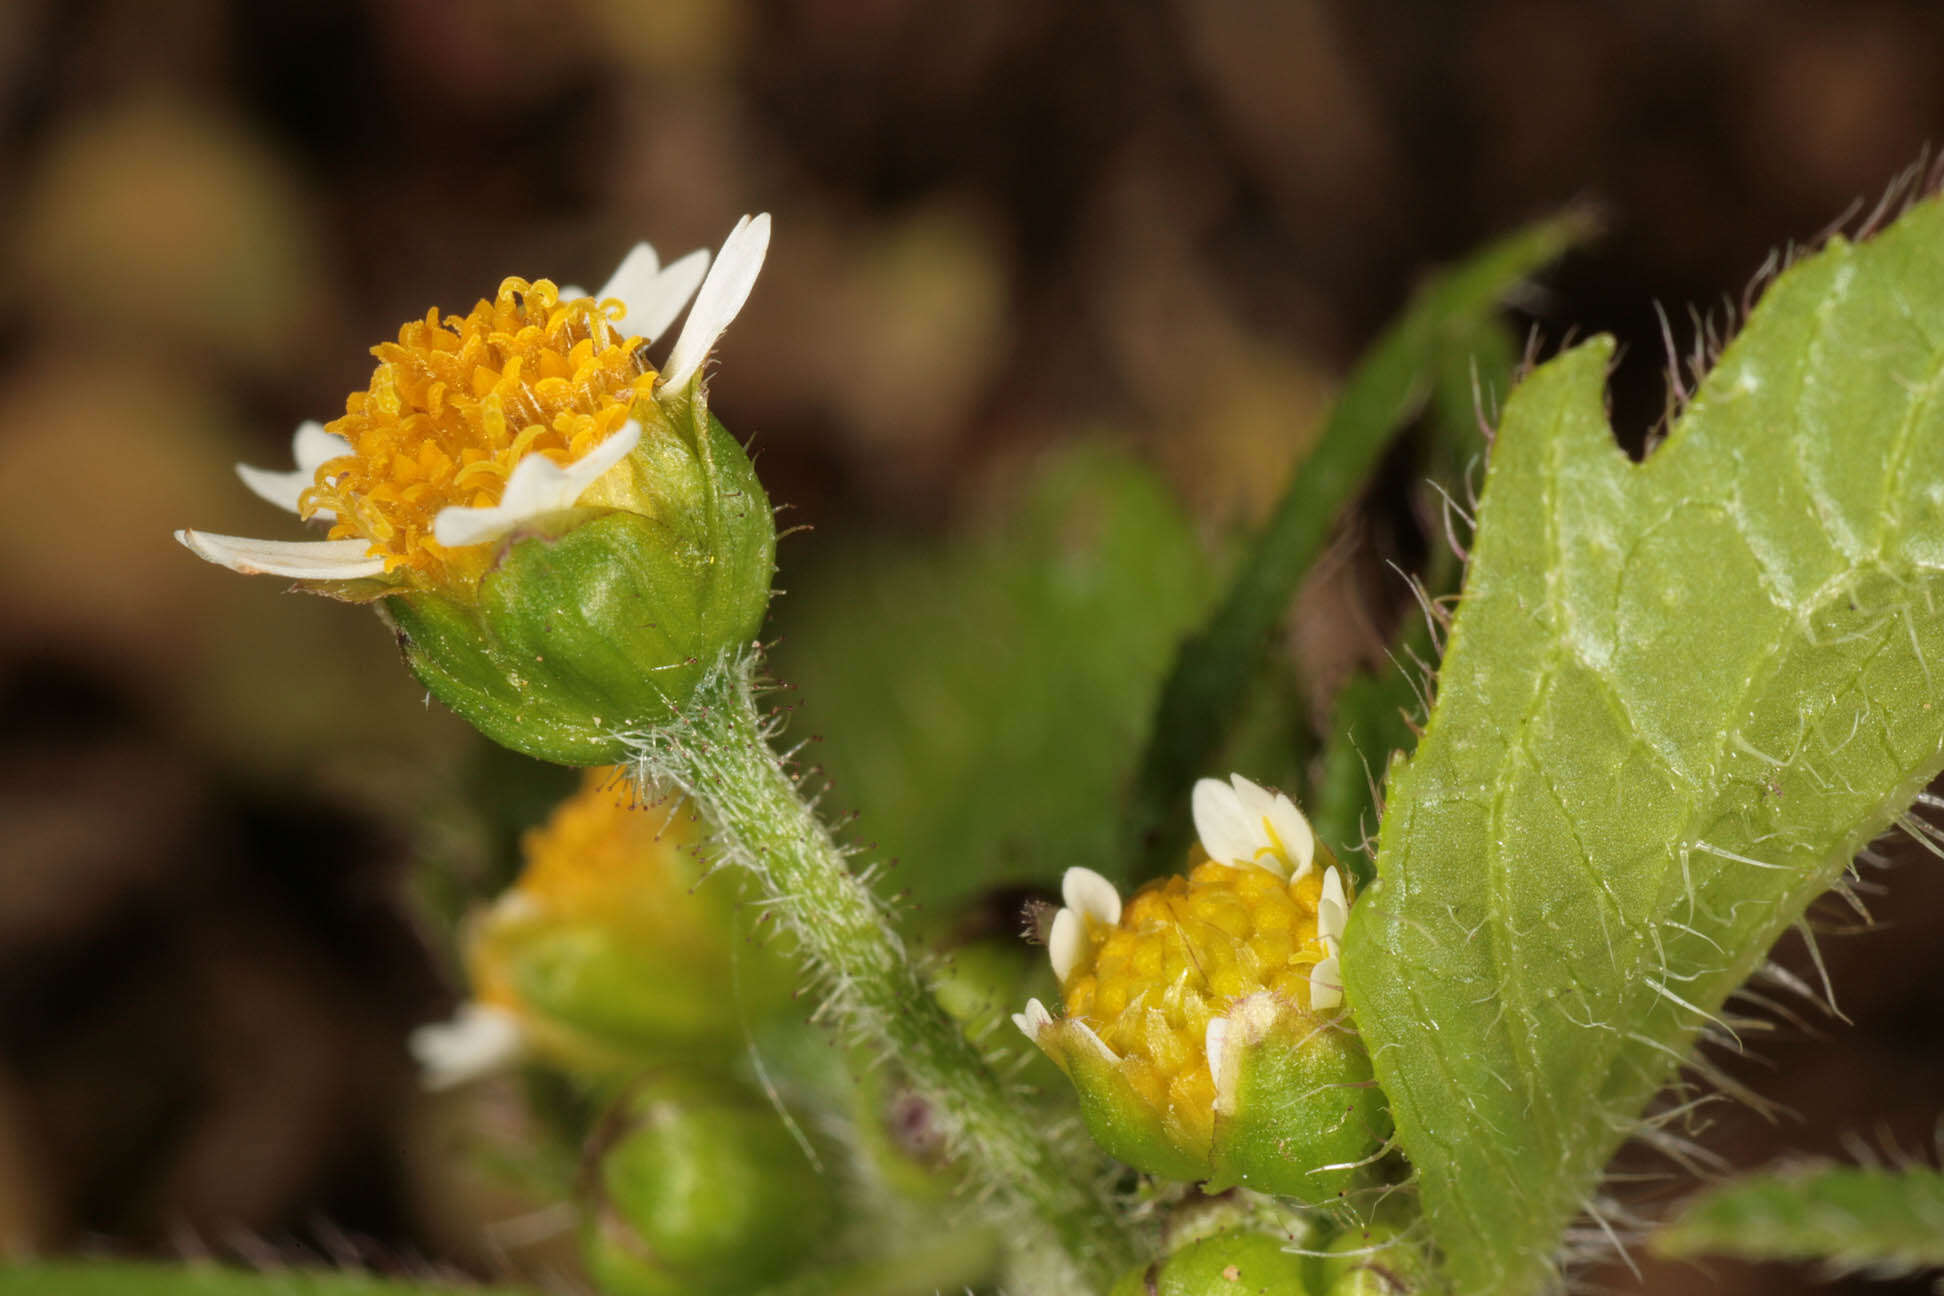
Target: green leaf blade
130, 1278
1678, 696
1886, 1221
1211, 674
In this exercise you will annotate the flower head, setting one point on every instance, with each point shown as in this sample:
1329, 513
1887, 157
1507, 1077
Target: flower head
476, 423
1192, 1007
604, 952
563, 536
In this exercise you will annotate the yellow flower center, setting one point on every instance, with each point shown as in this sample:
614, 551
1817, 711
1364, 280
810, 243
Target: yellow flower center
457, 401
603, 858
1186, 948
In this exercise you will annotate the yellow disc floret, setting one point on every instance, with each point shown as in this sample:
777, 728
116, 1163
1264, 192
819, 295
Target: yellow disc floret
1185, 949
607, 849
457, 401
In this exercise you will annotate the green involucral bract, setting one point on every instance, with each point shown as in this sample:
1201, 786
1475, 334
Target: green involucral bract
1298, 1114
627, 993
599, 622
1679, 695
1296, 1111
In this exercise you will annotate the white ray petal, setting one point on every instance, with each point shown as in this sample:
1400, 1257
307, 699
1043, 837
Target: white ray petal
1326, 985
1086, 1033
310, 447
1333, 909
1257, 800
1330, 920
1289, 827
636, 271
722, 295
297, 559
536, 486
1086, 892
1333, 887
516, 906
654, 294
1221, 822
1212, 1042
1030, 1021
1066, 941
478, 1041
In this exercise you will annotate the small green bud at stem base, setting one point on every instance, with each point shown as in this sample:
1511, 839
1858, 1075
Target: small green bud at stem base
1228, 1264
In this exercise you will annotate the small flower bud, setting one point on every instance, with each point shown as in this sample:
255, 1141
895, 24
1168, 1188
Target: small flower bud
1205, 1030
1238, 1263
606, 954
1378, 1259
702, 1191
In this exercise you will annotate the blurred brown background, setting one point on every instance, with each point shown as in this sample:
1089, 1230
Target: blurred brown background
998, 226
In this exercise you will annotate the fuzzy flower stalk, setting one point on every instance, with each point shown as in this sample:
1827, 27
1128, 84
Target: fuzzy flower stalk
1205, 1030
576, 557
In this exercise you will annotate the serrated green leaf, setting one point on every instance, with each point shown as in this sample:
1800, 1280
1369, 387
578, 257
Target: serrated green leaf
1212, 671
1678, 696
126, 1278
1854, 1217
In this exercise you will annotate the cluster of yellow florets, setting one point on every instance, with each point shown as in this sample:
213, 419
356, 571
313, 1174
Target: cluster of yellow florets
1186, 949
458, 400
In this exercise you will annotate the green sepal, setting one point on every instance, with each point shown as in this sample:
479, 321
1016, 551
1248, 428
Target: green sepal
592, 624
1227, 1264
1122, 1122
702, 1190
594, 992
1296, 1095
361, 592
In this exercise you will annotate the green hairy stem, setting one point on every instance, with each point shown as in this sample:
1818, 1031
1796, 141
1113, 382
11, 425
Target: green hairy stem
719, 754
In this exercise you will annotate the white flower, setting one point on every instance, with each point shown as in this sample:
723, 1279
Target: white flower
653, 296
1240, 823
479, 1041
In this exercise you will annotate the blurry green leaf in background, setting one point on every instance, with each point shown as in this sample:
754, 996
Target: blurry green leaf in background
980, 700
118, 1278
1208, 685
